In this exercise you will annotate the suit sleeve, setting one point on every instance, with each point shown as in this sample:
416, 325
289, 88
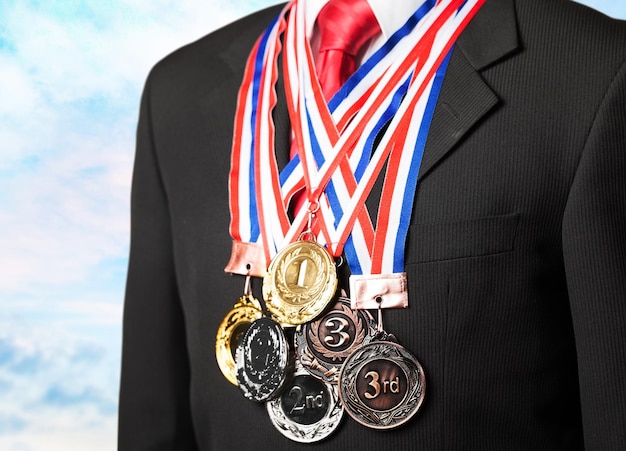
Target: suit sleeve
594, 245
154, 411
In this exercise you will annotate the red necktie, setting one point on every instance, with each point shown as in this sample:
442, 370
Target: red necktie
345, 26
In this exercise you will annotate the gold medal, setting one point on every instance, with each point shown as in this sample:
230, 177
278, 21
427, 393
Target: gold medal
231, 331
300, 282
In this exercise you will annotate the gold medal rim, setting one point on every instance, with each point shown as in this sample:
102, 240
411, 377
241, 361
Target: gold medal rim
287, 313
225, 361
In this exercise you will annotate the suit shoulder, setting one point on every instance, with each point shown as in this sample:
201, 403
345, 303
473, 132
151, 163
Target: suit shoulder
571, 35
215, 55
566, 20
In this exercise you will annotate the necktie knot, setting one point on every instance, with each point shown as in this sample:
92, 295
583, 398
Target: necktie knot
346, 25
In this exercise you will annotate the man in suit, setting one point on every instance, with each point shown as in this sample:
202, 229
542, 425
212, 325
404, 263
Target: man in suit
515, 256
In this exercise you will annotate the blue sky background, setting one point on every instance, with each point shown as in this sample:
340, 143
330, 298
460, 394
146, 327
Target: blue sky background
71, 74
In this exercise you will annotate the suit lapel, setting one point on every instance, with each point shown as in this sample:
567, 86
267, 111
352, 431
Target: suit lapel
282, 122
465, 97
235, 56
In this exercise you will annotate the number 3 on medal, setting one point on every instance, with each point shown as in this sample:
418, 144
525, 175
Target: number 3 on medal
374, 384
341, 325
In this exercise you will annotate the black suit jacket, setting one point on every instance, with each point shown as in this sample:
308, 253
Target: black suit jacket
516, 255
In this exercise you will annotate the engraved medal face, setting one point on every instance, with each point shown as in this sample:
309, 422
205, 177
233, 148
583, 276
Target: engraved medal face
382, 385
231, 331
308, 409
323, 345
262, 360
300, 282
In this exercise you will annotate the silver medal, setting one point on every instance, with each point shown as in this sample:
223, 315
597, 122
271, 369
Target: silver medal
308, 409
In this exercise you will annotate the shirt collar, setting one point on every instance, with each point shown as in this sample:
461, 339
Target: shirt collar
389, 17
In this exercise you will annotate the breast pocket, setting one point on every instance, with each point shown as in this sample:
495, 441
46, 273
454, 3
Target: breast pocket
428, 242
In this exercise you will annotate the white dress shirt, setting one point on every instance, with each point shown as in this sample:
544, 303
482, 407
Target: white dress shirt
390, 14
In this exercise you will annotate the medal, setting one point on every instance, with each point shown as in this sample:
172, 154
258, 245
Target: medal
382, 385
308, 409
230, 333
324, 344
262, 360
300, 282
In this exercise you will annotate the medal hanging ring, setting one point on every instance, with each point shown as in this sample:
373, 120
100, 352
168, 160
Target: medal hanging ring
231, 330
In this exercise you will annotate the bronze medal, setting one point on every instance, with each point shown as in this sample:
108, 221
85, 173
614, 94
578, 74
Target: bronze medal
300, 282
381, 385
230, 333
262, 361
308, 409
323, 345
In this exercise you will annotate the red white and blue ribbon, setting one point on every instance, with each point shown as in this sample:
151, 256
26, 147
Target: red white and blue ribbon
397, 86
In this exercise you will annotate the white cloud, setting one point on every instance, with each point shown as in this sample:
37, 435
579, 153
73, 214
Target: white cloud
20, 96
66, 217
72, 82
612, 8
56, 388
98, 436
70, 79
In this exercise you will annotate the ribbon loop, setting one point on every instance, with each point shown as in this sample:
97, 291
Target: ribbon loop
378, 291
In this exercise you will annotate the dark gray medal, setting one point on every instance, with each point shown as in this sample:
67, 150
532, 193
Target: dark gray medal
262, 360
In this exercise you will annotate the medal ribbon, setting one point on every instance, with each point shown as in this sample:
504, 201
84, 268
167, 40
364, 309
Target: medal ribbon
315, 131
334, 148
256, 99
369, 74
